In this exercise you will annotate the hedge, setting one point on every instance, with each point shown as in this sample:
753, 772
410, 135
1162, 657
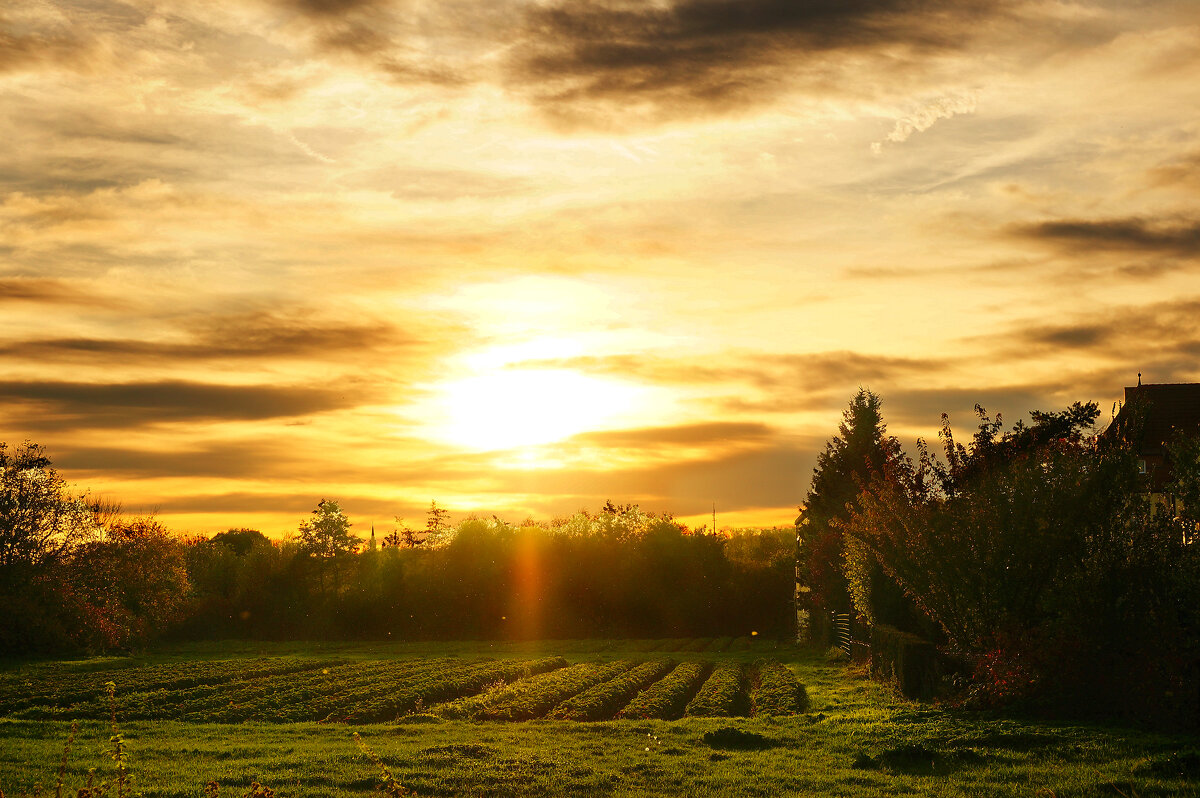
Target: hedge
906, 660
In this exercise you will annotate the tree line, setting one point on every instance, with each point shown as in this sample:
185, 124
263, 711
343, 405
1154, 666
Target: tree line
76, 575
1033, 555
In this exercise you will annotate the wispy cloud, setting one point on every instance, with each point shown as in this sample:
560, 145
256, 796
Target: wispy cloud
925, 116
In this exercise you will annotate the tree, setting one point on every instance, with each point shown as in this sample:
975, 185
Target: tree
437, 521
128, 586
402, 535
1184, 455
860, 449
326, 537
240, 541
982, 541
1042, 561
40, 521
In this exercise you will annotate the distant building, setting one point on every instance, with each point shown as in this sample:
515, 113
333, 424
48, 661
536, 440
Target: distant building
1150, 417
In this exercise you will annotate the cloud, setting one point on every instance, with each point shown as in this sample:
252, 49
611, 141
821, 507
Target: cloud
709, 434
924, 118
261, 335
255, 459
1180, 172
410, 43
1136, 234
425, 184
322, 8
774, 475
52, 404
29, 50
583, 62
301, 503
1160, 329
810, 372
923, 407
49, 291
718, 54
1092, 354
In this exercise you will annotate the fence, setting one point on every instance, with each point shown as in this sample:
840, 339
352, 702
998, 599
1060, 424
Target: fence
843, 631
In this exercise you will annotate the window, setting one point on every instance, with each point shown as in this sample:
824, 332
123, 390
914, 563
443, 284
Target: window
1141, 466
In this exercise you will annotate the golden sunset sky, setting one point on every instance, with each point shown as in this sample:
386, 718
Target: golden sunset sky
523, 257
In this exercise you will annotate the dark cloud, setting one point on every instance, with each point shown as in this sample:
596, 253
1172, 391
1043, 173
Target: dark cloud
261, 335
299, 502
280, 456
685, 435
402, 40
257, 459
46, 291
600, 62
718, 53
1161, 328
924, 407
330, 7
1082, 336
56, 405
91, 127
1181, 238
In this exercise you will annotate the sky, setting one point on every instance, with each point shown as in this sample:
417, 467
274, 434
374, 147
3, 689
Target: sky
525, 256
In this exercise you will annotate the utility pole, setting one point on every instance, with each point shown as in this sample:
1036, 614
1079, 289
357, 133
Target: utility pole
714, 518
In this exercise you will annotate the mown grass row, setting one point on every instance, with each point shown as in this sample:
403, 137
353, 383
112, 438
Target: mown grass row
602, 701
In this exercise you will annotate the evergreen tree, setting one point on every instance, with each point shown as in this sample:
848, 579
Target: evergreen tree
861, 448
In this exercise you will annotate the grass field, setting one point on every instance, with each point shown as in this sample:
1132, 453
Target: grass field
728, 717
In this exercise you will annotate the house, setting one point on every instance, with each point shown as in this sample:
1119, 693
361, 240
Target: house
1151, 416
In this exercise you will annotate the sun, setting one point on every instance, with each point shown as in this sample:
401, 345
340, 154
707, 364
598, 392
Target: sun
512, 408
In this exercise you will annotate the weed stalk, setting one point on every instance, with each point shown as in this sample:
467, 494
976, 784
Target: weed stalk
389, 786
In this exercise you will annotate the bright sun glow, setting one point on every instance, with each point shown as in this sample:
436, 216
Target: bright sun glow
513, 408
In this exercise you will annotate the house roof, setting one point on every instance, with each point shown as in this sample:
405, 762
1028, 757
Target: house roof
1170, 409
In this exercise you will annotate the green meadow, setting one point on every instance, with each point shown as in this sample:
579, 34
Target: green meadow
831, 731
